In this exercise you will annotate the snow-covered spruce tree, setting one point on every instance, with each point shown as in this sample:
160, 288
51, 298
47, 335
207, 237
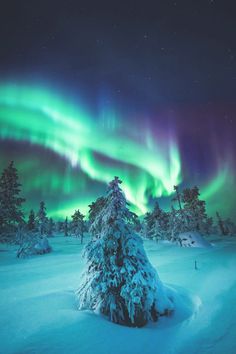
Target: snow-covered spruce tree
156, 224
10, 202
42, 220
195, 210
147, 225
95, 208
120, 283
177, 224
78, 225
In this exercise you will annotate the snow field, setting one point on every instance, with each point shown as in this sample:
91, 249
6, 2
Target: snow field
39, 315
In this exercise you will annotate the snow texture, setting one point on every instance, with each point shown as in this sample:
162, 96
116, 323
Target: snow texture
38, 313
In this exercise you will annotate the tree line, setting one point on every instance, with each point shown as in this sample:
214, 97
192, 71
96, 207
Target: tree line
188, 214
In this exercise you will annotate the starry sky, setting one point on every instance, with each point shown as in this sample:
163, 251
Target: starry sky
141, 89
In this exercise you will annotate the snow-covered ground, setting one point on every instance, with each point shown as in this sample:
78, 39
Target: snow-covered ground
38, 313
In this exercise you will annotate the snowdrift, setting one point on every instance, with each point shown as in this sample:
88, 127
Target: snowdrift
192, 239
42, 246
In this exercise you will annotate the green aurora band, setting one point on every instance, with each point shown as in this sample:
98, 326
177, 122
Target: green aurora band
219, 192
88, 149
35, 115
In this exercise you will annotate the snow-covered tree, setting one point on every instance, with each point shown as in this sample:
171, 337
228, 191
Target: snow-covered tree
32, 238
120, 282
177, 224
226, 227
146, 225
25, 240
156, 224
31, 223
11, 214
42, 246
194, 210
78, 225
42, 220
31, 243
94, 209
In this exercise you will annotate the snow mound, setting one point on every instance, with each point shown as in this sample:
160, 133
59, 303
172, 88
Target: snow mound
192, 239
186, 304
42, 246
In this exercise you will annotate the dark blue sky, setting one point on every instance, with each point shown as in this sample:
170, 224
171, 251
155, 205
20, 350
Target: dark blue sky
153, 51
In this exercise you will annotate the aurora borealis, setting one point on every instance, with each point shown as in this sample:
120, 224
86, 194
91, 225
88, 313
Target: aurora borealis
117, 98
36, 116
91, 152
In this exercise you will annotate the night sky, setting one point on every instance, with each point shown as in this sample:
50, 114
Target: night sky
141, 89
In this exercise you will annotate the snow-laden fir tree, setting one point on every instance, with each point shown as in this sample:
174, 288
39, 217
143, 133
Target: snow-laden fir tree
146, 225
156, 224
119, 282
95, 208
177, 224
11, 214
32, 238
42, 219
78, 225
195, 211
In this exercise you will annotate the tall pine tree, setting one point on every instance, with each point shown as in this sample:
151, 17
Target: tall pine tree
42, 220
78, 225
10, 200
195, 210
